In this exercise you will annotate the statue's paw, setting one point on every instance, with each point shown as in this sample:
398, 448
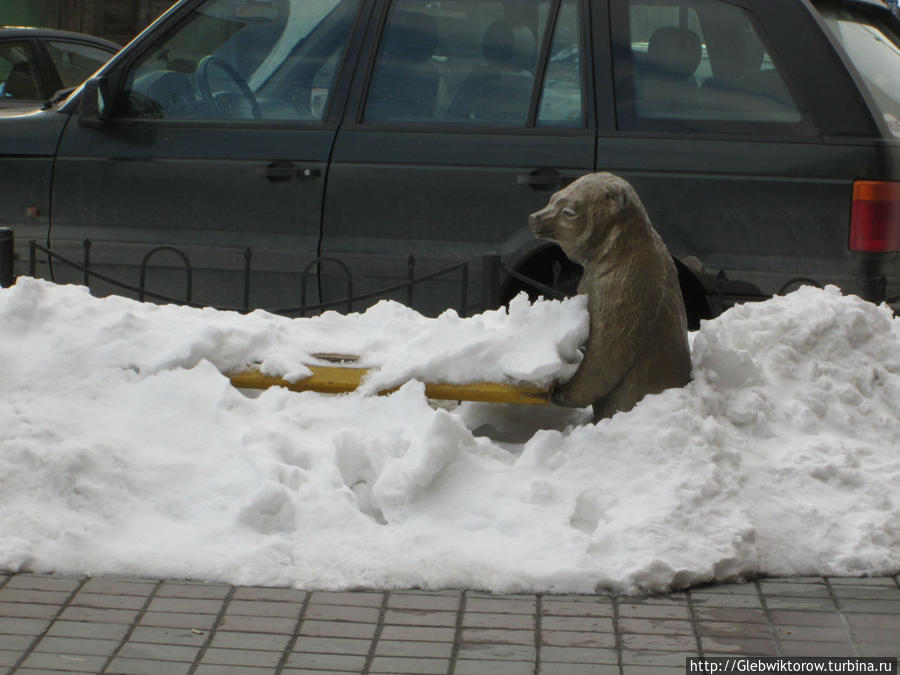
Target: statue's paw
563, 396
558, 399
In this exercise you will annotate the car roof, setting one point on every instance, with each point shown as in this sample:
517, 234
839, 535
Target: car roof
53, 33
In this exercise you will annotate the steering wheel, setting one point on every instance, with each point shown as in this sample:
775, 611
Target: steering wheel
243, 87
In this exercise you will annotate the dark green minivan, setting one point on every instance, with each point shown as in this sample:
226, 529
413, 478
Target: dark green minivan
278, 153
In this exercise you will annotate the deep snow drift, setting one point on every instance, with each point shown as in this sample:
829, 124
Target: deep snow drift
123, 449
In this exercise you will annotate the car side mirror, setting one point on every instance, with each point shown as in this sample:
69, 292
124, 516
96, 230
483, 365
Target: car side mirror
93, 110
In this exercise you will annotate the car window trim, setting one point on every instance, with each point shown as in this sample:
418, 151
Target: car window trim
599, 71
351, 63
744, 136
48, 68
537, 88
482, 129
253, 124
586, 71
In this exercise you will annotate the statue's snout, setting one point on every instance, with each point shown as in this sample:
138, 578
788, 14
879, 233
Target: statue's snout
541, 223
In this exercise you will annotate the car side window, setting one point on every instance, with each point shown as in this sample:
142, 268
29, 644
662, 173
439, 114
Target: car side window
696, 60
475, 62
246, 60
75, 62
20, 76
561, 98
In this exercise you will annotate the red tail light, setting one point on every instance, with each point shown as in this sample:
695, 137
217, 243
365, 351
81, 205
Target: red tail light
875, 219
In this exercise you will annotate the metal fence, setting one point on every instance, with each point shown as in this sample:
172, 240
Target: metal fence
492, 276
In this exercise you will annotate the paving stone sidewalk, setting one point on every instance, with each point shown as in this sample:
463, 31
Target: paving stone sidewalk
53, 624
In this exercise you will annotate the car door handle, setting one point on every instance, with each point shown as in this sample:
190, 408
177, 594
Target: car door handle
543, 180
278, 172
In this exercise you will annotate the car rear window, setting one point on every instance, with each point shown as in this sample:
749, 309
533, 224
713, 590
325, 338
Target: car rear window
873, 45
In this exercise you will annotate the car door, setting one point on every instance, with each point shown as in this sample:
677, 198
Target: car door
217, 144
471, 114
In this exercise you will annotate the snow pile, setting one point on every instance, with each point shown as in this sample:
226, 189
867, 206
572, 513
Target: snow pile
123, 449
74, 335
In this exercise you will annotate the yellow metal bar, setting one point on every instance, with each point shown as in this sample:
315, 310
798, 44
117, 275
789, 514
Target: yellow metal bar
324, 379
340, 380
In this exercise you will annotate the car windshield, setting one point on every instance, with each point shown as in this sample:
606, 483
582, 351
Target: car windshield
874, 47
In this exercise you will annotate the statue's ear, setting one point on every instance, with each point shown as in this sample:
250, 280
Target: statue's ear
621, 198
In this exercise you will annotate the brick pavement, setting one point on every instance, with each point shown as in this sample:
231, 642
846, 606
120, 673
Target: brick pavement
71, 624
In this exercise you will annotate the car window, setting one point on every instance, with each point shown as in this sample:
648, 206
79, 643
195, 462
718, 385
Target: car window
244, 59
874, 48
475, 62
19, 73
561, 98
700, 60
75, 61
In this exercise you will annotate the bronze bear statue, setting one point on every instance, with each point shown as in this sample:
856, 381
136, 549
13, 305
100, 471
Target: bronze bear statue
638, 329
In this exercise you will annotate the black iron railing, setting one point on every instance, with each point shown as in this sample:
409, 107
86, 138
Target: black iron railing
6, 257
458, 272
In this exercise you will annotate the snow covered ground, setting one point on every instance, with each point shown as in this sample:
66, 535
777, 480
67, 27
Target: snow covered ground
124, 450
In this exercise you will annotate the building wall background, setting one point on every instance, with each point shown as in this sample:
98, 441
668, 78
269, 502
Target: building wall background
116, 20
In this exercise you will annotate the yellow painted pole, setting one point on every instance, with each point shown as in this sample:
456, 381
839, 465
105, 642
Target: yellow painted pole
340, 380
